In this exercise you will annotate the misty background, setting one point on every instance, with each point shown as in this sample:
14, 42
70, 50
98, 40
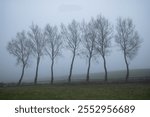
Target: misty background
16, 15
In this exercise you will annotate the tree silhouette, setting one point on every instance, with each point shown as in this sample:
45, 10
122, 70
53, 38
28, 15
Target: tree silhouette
53, 45
104, 33
88, 42
20, 48
37, 40
128, 40
71, 34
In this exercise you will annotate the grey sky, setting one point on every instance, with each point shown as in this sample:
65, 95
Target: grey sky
16, 15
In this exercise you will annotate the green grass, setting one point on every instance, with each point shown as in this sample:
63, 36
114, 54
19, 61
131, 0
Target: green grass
78, 91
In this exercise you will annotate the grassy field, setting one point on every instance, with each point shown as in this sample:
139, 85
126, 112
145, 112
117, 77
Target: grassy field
112, 75
116, 88
78, 91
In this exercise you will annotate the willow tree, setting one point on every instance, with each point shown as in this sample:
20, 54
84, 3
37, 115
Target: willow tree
128, 40
21, 49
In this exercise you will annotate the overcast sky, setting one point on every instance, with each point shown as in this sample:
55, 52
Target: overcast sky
16, 15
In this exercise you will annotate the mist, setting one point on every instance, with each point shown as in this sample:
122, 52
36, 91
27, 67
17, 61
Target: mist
16, 15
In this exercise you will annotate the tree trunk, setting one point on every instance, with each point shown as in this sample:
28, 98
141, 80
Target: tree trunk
52, 77
105, 68
70, 74
22, 74
37, 67
127, 74
88, 70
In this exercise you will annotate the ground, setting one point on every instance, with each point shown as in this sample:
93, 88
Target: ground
78, 91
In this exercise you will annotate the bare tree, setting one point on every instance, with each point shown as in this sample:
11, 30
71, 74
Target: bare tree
88, 42
104, 32
38, 43
72, 35
53, 45
20, 48
128, 40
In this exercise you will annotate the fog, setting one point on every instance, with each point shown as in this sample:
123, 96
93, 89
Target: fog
16, 15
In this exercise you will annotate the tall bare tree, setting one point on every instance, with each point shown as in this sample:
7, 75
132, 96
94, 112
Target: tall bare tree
104, 32
71, 34
128, 40
20, 48
53, 45
36, 37
88, 42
